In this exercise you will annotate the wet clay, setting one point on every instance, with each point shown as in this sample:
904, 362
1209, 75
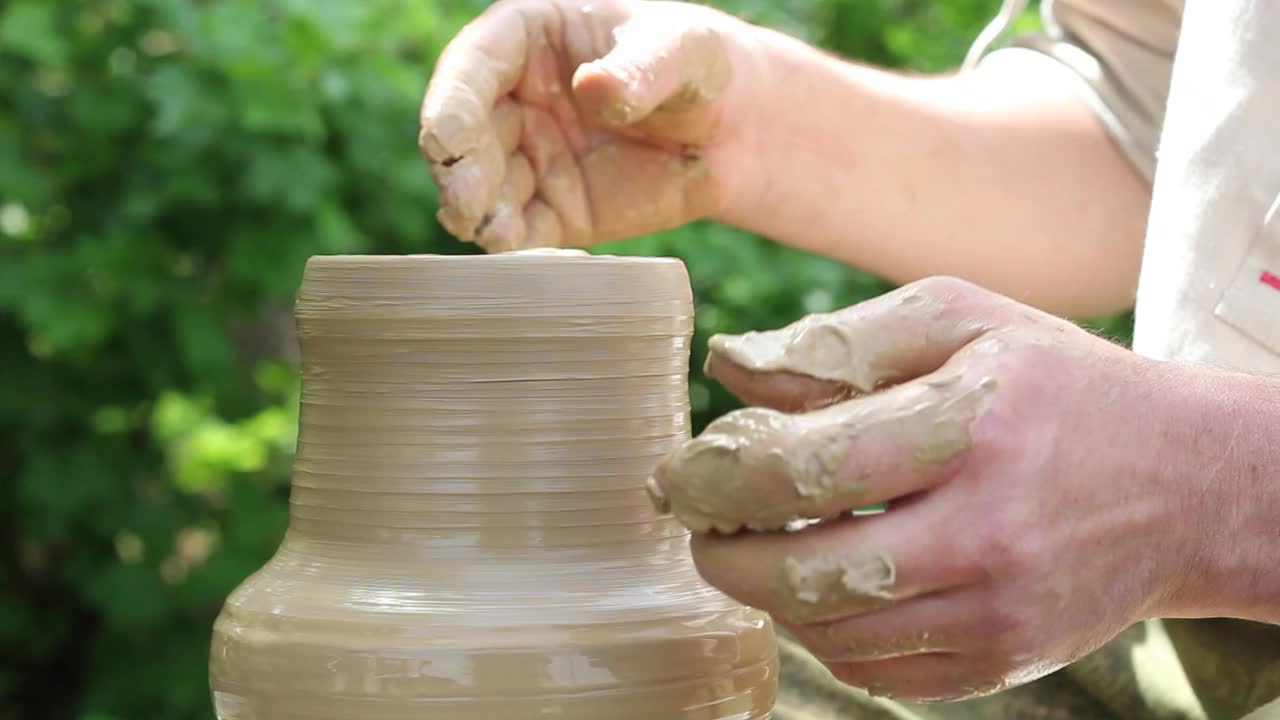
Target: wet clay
830, 587
838, 347
469, 536
761, 469
657, 70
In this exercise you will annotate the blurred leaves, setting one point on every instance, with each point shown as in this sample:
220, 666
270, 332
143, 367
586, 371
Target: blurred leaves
203, 451
166, 167
30, 29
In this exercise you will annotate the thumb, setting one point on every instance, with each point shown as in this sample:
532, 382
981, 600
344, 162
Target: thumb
651, 67
826, 358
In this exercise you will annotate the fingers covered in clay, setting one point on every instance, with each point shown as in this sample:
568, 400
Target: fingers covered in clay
762, 469
834, 571
652, 67
504, 227
934, 623
482, 64
469, 128
659, 191
994, 431
923, 678
541, 222
781, 390
471, 186
507, 121
610, 102
561, 187
901, 335
612, 190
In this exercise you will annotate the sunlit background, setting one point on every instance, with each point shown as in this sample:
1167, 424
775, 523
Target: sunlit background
166, 167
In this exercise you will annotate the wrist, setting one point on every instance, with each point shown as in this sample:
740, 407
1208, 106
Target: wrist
1220, 454
738, 159
779, 168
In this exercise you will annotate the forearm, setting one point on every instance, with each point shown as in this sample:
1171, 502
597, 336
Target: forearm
1002, 176
1222, 443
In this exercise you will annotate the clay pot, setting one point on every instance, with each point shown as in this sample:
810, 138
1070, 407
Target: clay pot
469, 534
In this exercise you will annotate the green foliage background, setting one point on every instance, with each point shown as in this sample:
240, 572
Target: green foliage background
166, 167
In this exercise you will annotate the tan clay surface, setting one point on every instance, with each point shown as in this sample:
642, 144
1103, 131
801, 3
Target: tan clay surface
469, 534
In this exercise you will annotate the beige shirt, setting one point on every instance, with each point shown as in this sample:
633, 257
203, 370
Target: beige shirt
1122, 52
1210, 286
1209, 292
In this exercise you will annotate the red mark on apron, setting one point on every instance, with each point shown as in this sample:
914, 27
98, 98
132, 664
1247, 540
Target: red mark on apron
1270, 278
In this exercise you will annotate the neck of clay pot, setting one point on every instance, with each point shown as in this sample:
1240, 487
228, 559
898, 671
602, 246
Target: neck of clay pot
466, 425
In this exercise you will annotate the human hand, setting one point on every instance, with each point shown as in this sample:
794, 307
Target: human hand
1027, 524
552, 123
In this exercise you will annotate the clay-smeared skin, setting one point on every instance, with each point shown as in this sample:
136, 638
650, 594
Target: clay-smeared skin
833, 346
469, 537
825, 587
800, 459
763, 469
552, 123
1021, 459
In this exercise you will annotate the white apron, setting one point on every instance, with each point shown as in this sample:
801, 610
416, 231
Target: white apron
1210, 286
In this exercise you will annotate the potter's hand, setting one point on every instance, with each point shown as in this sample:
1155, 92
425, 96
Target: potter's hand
552, 123
1027, 523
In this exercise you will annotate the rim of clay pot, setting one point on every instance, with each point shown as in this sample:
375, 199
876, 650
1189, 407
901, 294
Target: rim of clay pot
558, 254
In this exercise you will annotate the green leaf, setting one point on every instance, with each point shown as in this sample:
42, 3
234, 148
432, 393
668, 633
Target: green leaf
212, 452
202, 340
270, 103
176, 415
31, 29
130, 596
58, 490
291, 177
335, 232
60, 310
177, 97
